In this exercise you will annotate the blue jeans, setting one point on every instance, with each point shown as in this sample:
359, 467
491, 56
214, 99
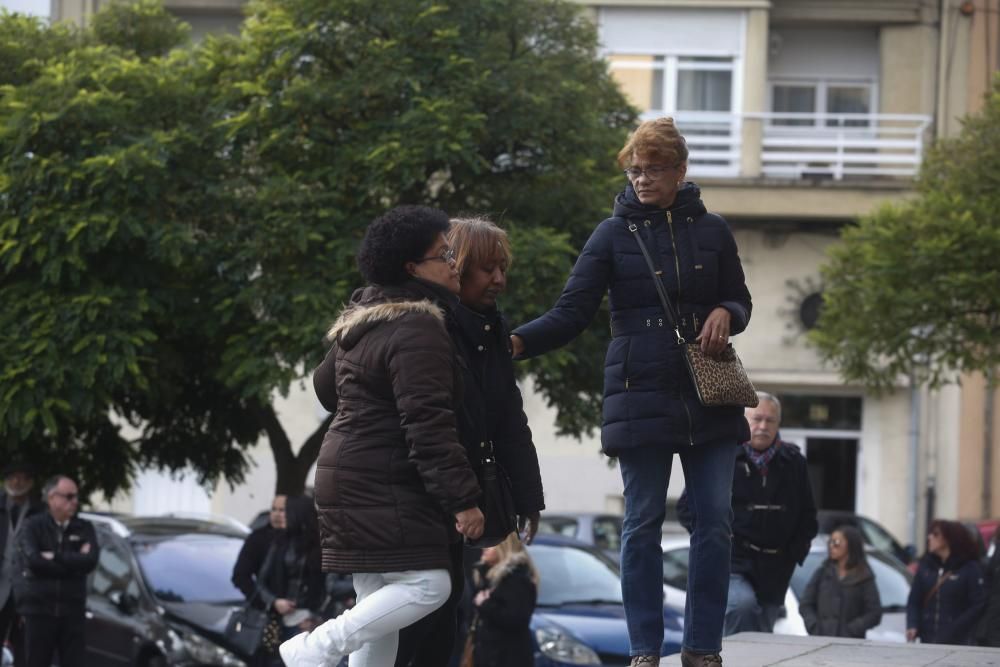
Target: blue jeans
744, 613
708, 473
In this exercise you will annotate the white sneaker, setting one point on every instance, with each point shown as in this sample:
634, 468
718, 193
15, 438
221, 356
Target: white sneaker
300, 652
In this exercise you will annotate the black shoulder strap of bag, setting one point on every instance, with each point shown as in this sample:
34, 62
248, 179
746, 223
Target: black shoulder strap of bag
937, 586
264, 567
660, 289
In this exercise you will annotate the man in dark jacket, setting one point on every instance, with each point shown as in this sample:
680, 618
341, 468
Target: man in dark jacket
56, 552
17, 503
774, 521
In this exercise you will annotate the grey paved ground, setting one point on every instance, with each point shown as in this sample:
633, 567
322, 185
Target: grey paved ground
751, 649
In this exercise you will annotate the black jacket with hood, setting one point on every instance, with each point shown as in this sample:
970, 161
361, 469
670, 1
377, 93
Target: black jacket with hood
503, 634
491, 413
950, 615
649, 398
837, 607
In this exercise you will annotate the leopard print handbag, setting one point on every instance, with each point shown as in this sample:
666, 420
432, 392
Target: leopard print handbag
718, 380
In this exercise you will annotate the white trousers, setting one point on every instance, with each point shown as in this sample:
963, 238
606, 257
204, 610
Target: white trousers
392, 601
369, 631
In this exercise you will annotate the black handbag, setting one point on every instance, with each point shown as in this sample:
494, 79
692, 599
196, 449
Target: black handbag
497, 504
718, 380
247, 624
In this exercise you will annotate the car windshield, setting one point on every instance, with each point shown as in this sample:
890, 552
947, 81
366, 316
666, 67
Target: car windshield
190, 568
893, 581
567, 575
558, 525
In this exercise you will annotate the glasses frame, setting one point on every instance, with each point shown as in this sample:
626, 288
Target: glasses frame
448, 257
640, 172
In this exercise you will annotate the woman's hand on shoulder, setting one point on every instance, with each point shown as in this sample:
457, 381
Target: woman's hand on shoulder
516, 346
714, 334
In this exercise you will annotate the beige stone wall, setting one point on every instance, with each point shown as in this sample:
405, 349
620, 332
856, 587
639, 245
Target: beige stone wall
971, 444
906, 77
984, 51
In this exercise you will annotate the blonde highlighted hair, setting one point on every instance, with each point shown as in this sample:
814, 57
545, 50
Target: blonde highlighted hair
510, 554
478, 241
656, 139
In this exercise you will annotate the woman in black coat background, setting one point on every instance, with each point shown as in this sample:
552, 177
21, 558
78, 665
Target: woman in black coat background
989, 626
948, 593
841, 599
502, 636
283, 559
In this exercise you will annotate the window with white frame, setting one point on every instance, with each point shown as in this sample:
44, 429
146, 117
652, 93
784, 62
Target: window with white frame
698, 91
661, 83
817, 97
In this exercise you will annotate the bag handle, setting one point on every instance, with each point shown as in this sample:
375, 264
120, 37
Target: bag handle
660, 289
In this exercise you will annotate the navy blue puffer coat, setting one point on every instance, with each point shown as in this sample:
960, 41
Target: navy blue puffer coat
649, 399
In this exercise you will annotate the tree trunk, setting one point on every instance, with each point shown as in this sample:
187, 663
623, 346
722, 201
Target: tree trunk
291, 469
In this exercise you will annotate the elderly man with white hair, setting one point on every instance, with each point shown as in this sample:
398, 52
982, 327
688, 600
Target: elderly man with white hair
774, 520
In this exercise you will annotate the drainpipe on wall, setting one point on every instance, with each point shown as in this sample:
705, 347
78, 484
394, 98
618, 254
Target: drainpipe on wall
987, 510
914, 467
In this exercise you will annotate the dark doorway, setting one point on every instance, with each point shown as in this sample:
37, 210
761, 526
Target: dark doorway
833, 464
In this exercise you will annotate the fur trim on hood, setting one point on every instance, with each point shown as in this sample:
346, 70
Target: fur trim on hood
360, 317
516, 560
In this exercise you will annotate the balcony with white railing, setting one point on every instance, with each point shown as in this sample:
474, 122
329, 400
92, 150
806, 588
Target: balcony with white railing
803, 146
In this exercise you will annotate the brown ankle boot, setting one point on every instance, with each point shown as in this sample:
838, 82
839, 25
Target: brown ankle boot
645, 661
695, 660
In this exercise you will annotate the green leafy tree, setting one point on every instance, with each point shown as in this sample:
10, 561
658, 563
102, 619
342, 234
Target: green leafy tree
347, 108
913, 288
178, 231
108, 182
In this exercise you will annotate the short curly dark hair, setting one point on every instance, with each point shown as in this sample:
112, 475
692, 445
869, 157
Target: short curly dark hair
401, 235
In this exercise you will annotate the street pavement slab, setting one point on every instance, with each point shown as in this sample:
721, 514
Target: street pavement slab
755, 649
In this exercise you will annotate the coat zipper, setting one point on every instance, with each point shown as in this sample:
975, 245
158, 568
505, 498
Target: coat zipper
677, 268
937, 603
628, 354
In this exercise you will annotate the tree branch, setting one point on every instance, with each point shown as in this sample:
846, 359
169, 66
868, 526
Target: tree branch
310, 448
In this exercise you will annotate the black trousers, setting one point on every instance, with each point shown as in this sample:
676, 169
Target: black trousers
44, 636
10, 627
430, 641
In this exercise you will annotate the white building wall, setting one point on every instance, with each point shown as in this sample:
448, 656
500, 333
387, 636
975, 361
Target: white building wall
824, 53
674, 30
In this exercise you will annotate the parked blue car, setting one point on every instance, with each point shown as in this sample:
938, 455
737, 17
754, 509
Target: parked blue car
579, 618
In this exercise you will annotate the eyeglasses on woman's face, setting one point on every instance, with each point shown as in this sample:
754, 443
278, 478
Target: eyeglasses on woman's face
835, 542
653, 173
448, 257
